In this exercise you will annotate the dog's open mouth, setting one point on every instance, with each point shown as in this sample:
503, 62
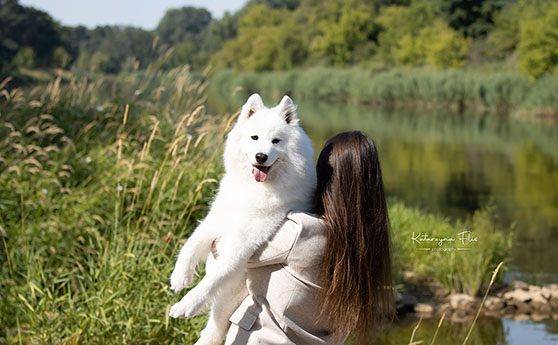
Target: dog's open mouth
260, 172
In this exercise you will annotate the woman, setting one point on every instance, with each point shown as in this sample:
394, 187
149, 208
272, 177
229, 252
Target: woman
323, 276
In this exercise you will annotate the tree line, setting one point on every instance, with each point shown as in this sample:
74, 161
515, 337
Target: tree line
283, 34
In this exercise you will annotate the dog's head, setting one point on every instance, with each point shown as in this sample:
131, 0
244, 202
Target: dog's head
265, 135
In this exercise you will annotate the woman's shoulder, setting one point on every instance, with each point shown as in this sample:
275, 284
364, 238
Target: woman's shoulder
306, 220
311, 228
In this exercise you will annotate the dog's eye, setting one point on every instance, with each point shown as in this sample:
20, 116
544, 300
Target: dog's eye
254, 137
275, 141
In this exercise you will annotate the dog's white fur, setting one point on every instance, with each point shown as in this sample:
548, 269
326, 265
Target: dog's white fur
245, 212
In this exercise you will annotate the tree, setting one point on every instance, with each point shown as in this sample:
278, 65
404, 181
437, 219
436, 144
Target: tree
61, 58
538, 43
400, 26
182, 25
413, 37
26, 27
472, 18
337, 40
267, 40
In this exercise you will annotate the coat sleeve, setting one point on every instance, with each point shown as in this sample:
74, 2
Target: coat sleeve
277, 249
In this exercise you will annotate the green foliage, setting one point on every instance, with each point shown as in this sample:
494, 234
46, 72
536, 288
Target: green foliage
25, 58
538, 45
107, 49
283, 34
501, 91
96, 196
61, 58
183, 24
466, 270
504, 37
543, 95
267, 40
338, 40
472, 18
22, 27
412, 37
289, 4
444, 47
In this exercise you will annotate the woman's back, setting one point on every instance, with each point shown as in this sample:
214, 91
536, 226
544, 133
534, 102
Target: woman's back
285, 271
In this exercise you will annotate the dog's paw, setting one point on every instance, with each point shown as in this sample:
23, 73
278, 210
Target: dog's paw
188, 306
177, 310
178, 281
181, 279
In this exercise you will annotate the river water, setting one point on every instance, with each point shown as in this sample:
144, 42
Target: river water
454, 164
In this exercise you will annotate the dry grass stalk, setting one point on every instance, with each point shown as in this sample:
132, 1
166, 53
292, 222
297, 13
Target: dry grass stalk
483, 300
438, 328
414, 331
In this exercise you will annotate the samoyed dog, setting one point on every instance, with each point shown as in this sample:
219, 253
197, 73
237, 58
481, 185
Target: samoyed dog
269, 171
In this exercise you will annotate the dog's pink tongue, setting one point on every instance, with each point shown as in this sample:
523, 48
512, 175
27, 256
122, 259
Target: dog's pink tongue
260, 173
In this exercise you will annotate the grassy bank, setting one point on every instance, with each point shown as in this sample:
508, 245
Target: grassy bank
459, 255
456, 89
100, 183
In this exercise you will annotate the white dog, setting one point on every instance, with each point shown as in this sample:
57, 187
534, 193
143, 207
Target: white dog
268, 172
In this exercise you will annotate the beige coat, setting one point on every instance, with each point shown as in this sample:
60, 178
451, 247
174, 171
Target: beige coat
283, 305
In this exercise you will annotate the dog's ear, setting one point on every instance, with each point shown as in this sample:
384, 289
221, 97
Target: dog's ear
253, 104
287, 109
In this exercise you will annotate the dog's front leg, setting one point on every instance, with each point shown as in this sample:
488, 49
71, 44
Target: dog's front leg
227, 300
195, 249
230, 264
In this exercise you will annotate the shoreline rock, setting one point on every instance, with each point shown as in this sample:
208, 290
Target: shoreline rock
518, 301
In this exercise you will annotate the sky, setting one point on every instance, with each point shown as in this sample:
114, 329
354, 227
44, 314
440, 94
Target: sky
138, 13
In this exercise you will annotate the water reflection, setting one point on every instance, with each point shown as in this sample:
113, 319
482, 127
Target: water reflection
487, 331
456, 164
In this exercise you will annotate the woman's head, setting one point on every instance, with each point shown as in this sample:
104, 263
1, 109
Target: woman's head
356, 273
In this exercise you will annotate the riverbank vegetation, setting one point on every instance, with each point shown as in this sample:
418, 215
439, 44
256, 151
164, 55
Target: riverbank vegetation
455, 89
101, 181
459, 255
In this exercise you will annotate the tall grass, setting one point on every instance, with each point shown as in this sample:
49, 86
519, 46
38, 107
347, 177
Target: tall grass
457, 89
100, 183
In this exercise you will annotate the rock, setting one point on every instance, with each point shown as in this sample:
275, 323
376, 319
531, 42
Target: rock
460, 313
521, 317
518, 295
461, 301
424, 308
445, 308
545, 309
509, 309
409, 276
538, 317
407, 299
534, 289
554, 303
523, 307
518, 284
494, 303
538, 302
546, 292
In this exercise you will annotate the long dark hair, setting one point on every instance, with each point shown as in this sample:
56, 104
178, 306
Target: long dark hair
356, 272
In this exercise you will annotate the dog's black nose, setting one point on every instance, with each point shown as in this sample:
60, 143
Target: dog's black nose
261, 157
